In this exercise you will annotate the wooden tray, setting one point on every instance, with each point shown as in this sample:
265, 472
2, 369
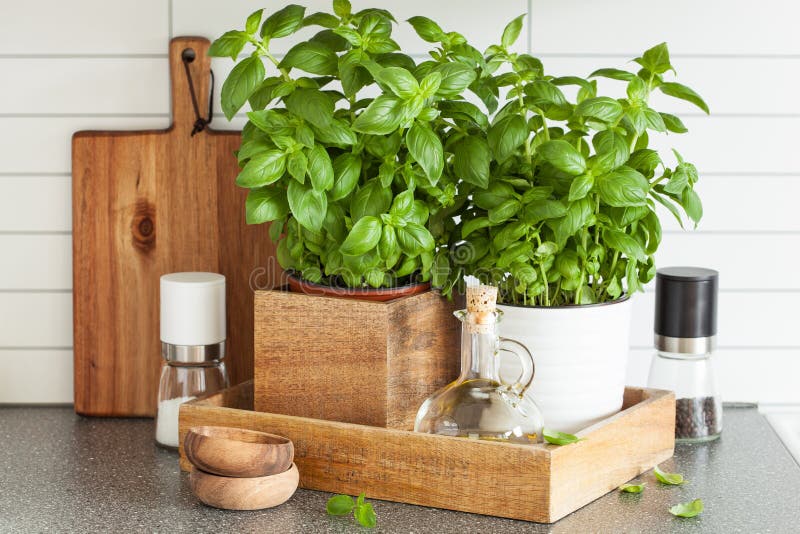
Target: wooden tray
541, 483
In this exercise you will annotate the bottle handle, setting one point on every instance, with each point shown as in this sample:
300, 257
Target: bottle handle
525, 357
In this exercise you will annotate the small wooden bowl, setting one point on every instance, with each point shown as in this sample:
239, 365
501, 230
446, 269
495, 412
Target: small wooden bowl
244, 493
234, 452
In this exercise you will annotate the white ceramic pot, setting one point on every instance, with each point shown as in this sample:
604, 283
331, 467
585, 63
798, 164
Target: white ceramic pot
581, 355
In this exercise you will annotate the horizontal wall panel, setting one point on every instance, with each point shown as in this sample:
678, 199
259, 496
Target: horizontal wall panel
766, 376
36, 262
729, 204
690, 27
728, 85
736, 145
482, 26
85, 85
84, 27
745, 261
44, 144
746, 319
36, 376
35, 203
35, 319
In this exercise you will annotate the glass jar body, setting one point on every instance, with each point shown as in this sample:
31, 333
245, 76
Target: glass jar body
698, 411
182, 382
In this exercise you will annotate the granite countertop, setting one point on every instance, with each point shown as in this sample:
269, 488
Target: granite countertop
65, 473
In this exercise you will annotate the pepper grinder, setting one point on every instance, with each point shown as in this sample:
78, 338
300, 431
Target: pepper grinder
192, 345
685, 339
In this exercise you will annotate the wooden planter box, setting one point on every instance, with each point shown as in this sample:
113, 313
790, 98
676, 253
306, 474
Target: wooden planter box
541, 483
354, 361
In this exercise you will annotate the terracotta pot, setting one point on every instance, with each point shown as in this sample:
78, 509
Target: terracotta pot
383, 294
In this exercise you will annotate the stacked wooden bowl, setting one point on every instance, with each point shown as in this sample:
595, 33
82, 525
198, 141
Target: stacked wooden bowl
238, 469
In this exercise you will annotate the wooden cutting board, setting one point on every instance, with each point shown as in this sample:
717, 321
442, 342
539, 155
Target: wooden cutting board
146, 203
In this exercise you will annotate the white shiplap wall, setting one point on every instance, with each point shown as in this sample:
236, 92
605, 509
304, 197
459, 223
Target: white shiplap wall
88, 70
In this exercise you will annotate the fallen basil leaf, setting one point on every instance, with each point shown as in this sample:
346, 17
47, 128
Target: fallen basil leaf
559, 438
365, 515
632, 488
340, 505
687, 509
671, 479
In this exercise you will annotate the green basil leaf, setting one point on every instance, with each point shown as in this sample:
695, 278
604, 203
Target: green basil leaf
614, 74
463, 111
612, 151
265, 204
440, 270
263, 95
320, 168
311, 105
563, 156
671, 479
430, 84
471, 161
307, 205
403, 204
263, 169
687, 509
506, 135
637, 89
337, 132
601, 108
346, 171
312, 57
559, 438
539, 192
388, 243
692, 205
645, 161
427, 29
372, 199
365, 515
399, 81
656, 59
684, 93
496, 194
326, 20
297, 165
364, 236
667, 203
240, 84
632, 488
626, 244
511, 32
623, 187
516, 253
342, 7
267, 120
230, 44
545, 93
474, 224
382, 116
456, 77
251, 26
540, 210
283, 22
340, 504
415, 239
511, 233
653, 120
677, 182
577, 216
426, 149
504, 211
673, 123
580, 187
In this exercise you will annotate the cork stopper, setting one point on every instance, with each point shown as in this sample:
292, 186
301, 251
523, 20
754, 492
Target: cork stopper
481, 305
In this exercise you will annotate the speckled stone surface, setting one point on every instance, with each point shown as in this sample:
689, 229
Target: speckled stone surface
64, 473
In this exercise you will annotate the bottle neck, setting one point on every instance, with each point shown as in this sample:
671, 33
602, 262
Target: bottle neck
478, 351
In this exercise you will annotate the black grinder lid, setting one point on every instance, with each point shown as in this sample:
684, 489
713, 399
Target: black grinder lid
686, 302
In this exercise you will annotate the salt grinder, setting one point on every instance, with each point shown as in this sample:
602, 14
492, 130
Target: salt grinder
192, 345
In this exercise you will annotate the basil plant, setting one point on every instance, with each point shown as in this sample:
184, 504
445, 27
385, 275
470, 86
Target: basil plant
560, 187
343, 150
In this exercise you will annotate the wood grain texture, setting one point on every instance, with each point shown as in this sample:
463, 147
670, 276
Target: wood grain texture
148, 203
236, 452
244, 493
539, 483
355, 361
